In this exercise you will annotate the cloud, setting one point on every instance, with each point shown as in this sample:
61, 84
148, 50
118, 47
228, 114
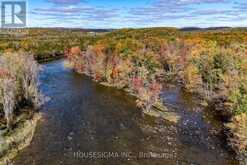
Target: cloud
186, 2
86, 13
209, 12
163, 7
154, 13
64, 2
62, 10
241, 6
171, 10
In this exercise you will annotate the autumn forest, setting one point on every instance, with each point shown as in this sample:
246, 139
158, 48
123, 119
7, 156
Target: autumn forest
209, 64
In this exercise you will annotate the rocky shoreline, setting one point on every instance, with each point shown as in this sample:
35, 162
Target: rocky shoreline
20, 137
159, 110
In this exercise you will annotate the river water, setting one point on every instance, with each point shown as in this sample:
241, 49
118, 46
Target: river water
86, 123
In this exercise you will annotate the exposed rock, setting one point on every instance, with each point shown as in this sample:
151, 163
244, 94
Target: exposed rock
17, 139
222, 111
159, 110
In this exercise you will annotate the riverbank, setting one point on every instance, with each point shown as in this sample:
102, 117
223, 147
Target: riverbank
84, 116
205, 63
20, 100
160, 110
234, 131
12, 142
48, 57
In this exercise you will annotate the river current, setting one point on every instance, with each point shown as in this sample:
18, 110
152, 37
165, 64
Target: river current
86, 123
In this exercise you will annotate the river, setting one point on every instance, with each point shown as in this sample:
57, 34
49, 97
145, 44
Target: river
86, 123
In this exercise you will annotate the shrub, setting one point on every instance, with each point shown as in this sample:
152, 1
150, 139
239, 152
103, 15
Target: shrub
238, 99
192, 78
147, 92
238, 133
7, 97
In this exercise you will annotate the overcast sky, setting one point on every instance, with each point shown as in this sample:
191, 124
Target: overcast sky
136, 13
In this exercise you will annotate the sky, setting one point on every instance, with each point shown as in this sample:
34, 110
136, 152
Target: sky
136, 13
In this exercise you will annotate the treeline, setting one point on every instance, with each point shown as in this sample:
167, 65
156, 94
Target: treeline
212, 64
43, 43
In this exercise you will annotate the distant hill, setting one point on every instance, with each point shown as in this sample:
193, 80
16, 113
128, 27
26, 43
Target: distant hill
204, 29
77, 29
59, 29
185, 29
